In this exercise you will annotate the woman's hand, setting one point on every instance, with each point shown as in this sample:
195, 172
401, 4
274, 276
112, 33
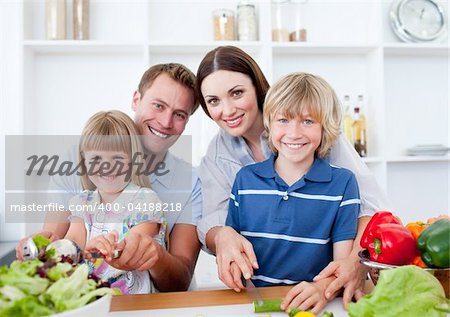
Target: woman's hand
350, 274
46, 234
235, 257
306, 296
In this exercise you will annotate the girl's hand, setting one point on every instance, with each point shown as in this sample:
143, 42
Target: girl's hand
306, 296
104, 244
46, 234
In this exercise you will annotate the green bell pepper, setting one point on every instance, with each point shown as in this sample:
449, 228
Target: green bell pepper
433, 244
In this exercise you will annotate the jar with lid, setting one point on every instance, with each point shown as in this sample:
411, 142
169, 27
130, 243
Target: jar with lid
223, 25
246, 21
288, 20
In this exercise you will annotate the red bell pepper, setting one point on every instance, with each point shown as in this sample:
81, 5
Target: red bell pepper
392, 244
378, 218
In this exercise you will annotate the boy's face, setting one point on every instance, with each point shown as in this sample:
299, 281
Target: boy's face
296, 139
162, 113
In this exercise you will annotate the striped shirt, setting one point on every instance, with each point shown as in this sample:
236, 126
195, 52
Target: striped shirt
293, 228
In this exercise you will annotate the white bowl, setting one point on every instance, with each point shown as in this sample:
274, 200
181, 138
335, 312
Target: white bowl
98, 308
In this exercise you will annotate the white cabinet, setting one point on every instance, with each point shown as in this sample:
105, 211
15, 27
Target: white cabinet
350, 44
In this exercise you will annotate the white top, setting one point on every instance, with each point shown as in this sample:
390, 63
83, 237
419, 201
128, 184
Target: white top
135, 205
227, 154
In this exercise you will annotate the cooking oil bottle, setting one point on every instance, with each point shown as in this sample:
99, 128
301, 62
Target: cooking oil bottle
348, 120
359, 128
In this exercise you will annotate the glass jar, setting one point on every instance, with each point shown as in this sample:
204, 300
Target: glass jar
55, 19
288, 20
223, 25
81, 19
246, 22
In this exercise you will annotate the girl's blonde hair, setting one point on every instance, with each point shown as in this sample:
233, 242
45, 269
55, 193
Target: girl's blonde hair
298, 91
113, 131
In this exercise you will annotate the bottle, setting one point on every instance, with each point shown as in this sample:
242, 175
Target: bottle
348, 121
223, 25
359, 129
81, 19
246, 21
55, 19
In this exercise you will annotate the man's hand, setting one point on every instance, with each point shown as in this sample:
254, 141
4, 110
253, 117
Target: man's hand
350, 274
140, 252
235, 257
46, 234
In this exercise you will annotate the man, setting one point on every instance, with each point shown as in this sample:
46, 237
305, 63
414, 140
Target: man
162, 104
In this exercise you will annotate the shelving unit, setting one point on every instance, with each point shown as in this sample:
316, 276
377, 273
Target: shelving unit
350, 44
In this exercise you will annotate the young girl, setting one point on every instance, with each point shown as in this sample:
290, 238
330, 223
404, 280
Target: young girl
298, 211
116, 199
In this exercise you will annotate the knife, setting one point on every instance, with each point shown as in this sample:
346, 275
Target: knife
252, 291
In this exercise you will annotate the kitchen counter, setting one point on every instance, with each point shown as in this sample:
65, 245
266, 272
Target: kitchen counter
7, 252
224, 302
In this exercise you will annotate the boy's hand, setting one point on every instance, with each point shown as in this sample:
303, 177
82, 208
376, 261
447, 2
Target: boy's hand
350, 274
306, 296
104, 244
235, 258
46, 234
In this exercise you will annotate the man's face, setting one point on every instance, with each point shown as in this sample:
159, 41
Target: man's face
162, 113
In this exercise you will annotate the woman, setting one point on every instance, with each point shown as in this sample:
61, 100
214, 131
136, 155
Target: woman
231, 89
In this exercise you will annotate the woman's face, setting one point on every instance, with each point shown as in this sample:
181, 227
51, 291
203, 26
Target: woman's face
231, 101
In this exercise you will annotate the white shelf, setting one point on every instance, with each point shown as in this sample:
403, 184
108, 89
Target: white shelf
412, 159
373, 159
324, 48
86, 47
200, 48
424, 49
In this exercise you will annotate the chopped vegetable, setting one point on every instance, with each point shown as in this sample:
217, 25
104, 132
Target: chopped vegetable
41, 242
434, 243
304, 314
268, 305
40, 288
404, 291
392, 244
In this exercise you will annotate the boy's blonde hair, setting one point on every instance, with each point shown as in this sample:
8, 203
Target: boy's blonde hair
112, 131
298, 91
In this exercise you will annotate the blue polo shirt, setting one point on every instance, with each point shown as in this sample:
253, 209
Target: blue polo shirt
293, 228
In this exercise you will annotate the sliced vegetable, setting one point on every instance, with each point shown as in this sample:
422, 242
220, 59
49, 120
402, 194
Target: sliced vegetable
268, 305
434, 243
303, 314
378, 218
392, 244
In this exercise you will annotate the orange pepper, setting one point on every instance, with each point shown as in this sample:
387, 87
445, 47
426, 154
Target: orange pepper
416, 228
419, 262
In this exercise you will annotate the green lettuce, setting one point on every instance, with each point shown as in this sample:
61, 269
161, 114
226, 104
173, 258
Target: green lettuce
406, 291
26, 306
41, 242
74, 291
30, 285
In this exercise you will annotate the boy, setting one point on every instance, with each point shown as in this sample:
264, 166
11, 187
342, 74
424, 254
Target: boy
298, 211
